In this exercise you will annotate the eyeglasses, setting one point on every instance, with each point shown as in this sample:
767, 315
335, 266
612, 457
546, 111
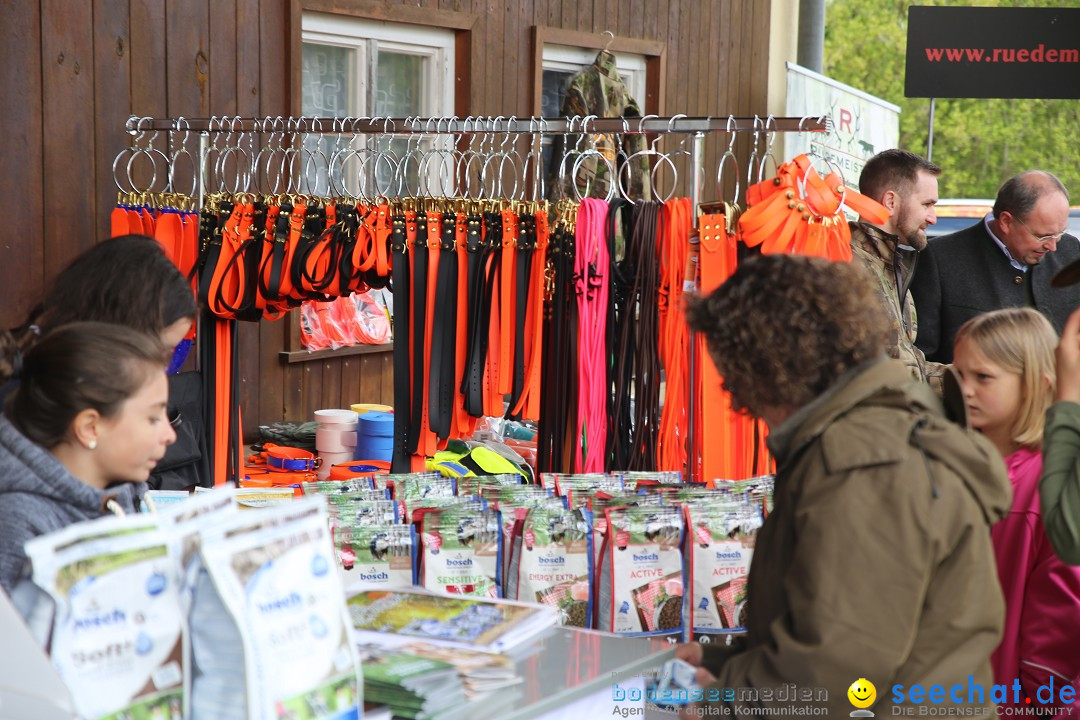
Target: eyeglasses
1053, 237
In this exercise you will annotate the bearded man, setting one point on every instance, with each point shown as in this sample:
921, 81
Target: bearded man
907, 186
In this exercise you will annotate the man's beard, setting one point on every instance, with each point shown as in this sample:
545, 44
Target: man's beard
916, 237
916, 240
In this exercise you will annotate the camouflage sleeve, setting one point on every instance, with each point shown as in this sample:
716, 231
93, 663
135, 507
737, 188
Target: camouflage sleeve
935, 377
575, 103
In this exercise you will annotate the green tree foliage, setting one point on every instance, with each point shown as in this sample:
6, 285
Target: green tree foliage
978, 142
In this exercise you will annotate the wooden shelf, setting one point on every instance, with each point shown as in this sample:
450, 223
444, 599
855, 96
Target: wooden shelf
299, 356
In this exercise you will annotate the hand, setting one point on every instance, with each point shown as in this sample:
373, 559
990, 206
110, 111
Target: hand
690, 652
1068, 361
693, 654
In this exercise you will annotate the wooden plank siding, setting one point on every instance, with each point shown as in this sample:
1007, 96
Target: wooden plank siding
22, 272
74, 70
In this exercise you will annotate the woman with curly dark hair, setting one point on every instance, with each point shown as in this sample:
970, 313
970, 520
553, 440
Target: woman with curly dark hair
875, 562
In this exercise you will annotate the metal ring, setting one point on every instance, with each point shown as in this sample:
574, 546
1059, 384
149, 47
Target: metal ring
116, 169
588, 183
801, 181
720, 175
665, 157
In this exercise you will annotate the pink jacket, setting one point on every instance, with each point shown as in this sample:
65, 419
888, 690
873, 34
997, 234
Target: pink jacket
1042, 595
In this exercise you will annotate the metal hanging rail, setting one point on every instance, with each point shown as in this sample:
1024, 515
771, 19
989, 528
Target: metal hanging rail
698, 127
482, 124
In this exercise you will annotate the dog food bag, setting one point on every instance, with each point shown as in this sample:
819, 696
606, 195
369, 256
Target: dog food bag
760, 491
553, 563
514, 530
513, 502
509, 494
375, 554
418, 486
187, 521
640, 588
462, 552
217, 650
469, 484
119, 635
35, 605
395, 481
550, 481
350, 488
370, 511
649, 479
719, 548
599, 502
587, 483
439, 502
279, 590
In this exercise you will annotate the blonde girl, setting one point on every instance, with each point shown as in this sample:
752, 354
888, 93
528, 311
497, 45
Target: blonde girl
1005, 360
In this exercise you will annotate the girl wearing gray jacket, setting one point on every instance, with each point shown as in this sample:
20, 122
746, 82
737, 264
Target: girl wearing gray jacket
80, 433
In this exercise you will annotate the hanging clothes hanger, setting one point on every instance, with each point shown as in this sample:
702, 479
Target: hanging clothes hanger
606, 50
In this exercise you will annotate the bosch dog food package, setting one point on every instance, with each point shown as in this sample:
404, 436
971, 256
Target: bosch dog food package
514, 527
510, 495
637, 480
375, 554
553, 563
217, 650
551, 480
119, 633
277, 586
395, 482
719, 548
346, 511
438, 502
640, 588
513, 502
419, 486
462, 552
587, 483
599, 502
186, 521
470, 484
349, 488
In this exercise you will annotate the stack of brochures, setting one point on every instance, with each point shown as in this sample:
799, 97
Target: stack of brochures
438, 657
395, 617
411, 686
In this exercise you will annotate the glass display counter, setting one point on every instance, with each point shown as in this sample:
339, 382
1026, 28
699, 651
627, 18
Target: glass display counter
567, 665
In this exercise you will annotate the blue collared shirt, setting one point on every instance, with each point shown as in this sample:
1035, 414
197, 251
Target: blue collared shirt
1022, 267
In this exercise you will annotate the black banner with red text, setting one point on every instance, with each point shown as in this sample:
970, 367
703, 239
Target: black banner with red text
985, 52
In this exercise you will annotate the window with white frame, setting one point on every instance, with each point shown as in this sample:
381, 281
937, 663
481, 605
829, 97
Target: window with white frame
563, 62
366, 68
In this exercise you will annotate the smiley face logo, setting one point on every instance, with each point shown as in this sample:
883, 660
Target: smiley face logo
862, 693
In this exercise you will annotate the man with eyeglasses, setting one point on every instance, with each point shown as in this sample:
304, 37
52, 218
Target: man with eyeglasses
1006, 260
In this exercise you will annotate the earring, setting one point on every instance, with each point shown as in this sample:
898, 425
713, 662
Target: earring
92, 445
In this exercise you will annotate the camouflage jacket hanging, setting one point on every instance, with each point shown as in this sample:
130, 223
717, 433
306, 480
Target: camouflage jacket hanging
599, 90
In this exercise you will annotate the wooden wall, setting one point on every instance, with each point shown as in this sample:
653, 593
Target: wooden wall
72, 71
